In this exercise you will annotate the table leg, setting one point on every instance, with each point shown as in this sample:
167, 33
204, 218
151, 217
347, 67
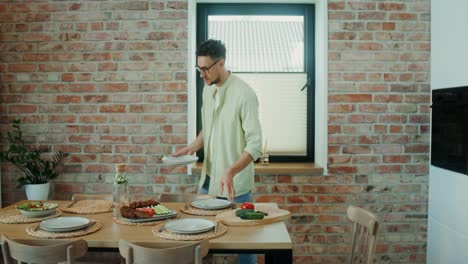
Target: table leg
278, 257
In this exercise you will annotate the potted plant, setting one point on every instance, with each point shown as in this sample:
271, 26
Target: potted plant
38, 170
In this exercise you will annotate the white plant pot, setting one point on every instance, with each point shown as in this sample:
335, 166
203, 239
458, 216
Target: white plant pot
37, 191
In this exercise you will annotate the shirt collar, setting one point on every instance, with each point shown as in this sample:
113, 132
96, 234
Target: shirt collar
223, 88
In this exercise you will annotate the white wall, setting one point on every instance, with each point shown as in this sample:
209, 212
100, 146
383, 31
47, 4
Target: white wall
448, 191
449, 33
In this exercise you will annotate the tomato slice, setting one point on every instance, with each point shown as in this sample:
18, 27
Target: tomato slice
149, 211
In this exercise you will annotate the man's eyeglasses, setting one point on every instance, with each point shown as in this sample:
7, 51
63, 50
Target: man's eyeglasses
205, 70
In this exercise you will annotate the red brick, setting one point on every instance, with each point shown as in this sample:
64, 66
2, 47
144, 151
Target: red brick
300, 199
391, 6
68, 77
115, 87
270, 199
350, 98
82, 158
79, 139
388, 169
112, 109
113, 159
93, 119
331, 199
61, 118
64, 99
403, 16
143, 139
23, 67
416, 148
21, 109
116, 139
107, 66
342, 169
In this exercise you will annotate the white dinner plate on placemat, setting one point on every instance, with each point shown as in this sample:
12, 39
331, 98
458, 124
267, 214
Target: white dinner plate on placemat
178, 161
211, 204
189, 226
64, 224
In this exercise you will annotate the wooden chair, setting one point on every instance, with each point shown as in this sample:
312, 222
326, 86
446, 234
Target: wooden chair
34, 252
183, 197
82, 196
145, 253
365, 228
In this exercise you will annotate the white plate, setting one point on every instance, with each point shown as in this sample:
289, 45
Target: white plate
189, 226
64, 224
211, 204
149, 219
178, 161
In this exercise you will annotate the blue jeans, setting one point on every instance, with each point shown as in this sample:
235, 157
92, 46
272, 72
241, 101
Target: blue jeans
243, 258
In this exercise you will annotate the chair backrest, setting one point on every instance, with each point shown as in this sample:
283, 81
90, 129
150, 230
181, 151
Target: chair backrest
365, 228
146, 253
82, 196
36, 253
183, 197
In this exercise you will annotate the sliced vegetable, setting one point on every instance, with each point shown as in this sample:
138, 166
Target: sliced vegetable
252, 215
243, 211
149, 211
160, 209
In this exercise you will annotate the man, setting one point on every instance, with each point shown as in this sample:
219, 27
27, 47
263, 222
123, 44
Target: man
231, 134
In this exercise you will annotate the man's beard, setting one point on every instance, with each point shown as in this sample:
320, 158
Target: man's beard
216, 81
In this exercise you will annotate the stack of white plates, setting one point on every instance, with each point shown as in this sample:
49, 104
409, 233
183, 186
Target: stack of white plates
189, 226
64, 224
211, 204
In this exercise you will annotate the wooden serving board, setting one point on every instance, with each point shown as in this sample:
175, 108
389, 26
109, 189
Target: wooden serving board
274, 215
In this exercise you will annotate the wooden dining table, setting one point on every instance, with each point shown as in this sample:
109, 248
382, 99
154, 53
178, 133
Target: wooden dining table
272, 240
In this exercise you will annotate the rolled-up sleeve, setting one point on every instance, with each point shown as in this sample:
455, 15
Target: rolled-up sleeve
251, 125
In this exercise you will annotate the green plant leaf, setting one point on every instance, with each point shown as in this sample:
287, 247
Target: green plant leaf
29, 160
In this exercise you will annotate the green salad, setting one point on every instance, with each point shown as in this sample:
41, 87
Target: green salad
36, 206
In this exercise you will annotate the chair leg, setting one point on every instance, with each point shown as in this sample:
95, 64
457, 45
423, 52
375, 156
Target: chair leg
5, 252
130, 255
70, 259
198, 258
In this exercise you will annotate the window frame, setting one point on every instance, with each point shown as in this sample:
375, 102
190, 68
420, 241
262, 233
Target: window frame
308, 12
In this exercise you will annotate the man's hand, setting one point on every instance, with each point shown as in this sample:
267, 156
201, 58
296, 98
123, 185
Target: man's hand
228, 184
183, 151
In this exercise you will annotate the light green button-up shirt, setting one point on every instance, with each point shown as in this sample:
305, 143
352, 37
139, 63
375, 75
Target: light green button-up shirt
237, 129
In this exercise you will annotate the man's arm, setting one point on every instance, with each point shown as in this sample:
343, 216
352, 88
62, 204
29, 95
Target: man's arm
196, 145
227, 179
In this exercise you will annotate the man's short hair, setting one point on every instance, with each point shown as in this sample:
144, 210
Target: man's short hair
215, 49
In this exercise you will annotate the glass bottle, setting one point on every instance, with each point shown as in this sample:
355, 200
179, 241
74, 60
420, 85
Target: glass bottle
121, 196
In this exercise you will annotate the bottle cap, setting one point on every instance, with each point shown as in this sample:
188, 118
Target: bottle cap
120, 167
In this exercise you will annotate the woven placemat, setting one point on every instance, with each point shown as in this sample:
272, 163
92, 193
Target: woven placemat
122, 221
88, 207
195, 211
33, 230
13, 216
222, 229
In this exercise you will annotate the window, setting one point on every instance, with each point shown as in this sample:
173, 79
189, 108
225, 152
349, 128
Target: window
271, 47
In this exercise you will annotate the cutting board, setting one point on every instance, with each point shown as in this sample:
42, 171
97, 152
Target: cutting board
274, 215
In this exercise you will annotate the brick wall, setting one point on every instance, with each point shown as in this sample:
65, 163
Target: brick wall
106, 82
102, 80
379, 123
